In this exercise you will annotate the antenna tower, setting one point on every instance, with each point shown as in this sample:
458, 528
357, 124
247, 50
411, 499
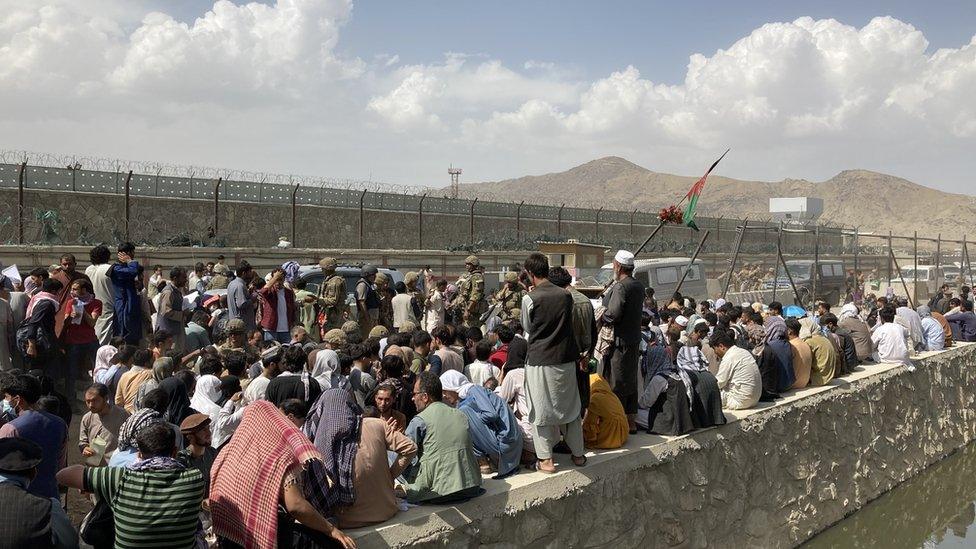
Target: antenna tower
455, 174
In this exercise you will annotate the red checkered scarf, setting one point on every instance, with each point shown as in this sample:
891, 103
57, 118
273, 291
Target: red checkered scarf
245, 482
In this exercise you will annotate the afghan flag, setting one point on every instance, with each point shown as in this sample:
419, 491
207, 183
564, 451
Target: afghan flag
694, 192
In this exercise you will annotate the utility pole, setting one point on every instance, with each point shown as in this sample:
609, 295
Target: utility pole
455, 174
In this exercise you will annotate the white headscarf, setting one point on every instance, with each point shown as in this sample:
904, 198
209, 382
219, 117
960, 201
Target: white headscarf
206, 395
848, 310
326, 369
453, 380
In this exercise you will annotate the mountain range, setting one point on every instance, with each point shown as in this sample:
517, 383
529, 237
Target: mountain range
872, 201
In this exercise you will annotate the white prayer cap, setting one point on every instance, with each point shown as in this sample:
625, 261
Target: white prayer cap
681, 320
719, 302
624, 257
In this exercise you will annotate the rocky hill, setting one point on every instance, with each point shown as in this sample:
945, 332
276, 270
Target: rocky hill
870, 200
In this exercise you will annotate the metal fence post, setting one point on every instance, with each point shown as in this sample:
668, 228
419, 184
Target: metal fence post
735, 256
779, 252
294, 216
891, 254
559, 221
420, 222
471, 222
598, 212
20, 202
362, 218
518, 221
816, 260
915, 269
128, 179
216, 214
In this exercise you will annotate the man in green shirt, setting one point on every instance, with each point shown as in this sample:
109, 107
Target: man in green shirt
445, 470
156, 500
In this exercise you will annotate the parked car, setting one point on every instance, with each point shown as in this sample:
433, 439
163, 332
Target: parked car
831, 284
662, 274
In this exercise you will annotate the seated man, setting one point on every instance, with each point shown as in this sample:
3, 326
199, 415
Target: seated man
962, 322
161, 499
384, 397
890, 339
495, 433
931, 329
445, 469
859, 330
848, 354
605, 423
802, 354
738, 375
826, 360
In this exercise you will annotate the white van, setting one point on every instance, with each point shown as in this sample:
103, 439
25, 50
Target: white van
663, 274
930, 278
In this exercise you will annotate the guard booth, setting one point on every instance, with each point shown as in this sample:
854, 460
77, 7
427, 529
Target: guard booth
579, 258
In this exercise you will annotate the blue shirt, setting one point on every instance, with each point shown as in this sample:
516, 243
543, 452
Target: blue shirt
934, 334
51, 434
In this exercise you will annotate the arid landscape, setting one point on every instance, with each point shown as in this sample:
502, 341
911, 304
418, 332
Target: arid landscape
869, 200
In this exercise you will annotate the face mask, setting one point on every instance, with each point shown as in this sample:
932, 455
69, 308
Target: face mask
8, 409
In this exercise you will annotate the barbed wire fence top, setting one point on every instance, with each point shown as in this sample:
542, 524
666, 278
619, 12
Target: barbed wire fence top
85, 173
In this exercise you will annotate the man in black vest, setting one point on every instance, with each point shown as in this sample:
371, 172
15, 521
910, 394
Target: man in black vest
550, 367
624, 302
27, 520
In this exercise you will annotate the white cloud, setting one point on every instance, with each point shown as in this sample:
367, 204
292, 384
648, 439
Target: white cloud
256, 84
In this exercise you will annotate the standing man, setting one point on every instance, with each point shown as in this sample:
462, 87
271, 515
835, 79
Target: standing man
434, 305
66, 275
97, 272
510, 297
584, 330
99, 434
367, 300
550, 367
624, 302
240, 301
126, 282
411, 280
385, 293
47, 430
470, 302
278, 311
332, 296
171, 316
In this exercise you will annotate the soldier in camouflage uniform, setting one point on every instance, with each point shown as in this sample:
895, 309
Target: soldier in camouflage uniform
410, 280
510, 298
385, 293
333, 310
469, 302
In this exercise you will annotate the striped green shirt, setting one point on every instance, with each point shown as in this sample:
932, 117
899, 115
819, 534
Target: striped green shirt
152, 508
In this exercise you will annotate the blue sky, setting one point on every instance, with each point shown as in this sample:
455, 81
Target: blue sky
399, 90
599, 37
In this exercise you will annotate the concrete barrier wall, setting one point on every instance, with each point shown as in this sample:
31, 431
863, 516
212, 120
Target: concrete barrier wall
772, 477
66, 217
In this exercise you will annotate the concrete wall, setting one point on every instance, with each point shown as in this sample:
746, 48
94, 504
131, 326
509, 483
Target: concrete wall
770, 478
67, 217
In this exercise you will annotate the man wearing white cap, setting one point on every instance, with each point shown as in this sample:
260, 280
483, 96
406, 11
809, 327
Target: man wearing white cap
624, 303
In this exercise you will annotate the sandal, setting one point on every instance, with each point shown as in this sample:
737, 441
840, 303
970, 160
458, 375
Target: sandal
535, 467
579, 461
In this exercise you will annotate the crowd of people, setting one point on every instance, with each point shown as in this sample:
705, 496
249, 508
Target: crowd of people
229, 409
